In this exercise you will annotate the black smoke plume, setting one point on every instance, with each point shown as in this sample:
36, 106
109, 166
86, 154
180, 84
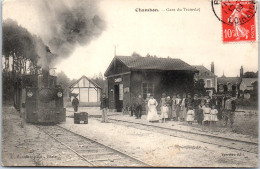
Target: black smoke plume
65, 25
68, 23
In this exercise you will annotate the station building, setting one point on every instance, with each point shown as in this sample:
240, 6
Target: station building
209, 78
130, 76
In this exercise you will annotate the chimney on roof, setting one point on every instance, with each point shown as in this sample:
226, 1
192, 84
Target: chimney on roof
212, 67
241, 71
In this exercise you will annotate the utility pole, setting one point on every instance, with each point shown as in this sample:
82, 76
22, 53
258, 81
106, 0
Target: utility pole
115, 50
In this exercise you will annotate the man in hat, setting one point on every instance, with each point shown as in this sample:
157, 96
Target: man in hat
75, 103
133, 106
196, 103
228, 114
104, 107
139, 105
189, 101
233, 109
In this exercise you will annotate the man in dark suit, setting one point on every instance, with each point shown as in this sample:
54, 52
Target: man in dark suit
75, 103
104, 107
139, 105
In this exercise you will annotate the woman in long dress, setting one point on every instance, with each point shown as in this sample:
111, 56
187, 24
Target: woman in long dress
174, 108
169, 105
152, 115
146, 103
183, 108
178, 107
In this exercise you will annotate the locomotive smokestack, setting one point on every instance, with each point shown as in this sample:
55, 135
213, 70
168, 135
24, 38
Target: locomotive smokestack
45, 76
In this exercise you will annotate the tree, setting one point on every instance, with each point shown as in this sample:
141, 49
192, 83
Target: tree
136, 54
20, 44
199, 87
64, 81
19, 49
250, 75
254, 92
99, 80
148, 55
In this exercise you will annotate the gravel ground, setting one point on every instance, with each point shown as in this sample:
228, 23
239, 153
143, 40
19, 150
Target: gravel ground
218, 130
24, 145
160, 150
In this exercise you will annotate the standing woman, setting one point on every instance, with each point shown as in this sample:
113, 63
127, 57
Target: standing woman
178, 107
152, 115
169, 105
174, 108
183, 108
146, 103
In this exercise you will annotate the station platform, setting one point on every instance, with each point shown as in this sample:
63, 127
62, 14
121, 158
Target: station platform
218, 130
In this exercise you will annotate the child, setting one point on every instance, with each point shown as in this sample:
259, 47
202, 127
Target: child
190, 115
213, 115
206, 113
164, 110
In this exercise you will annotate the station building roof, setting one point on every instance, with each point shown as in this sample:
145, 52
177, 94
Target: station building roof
153, 63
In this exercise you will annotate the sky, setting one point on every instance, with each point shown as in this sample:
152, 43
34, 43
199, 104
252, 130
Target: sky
193, 36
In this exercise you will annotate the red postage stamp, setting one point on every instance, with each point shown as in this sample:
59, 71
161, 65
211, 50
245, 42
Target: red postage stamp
238, 21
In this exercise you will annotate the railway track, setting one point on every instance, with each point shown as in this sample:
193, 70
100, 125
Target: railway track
91, 151
241, 145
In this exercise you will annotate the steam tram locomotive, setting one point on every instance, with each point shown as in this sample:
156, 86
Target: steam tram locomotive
39, 99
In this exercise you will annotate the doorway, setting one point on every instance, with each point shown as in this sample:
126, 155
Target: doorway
118, 102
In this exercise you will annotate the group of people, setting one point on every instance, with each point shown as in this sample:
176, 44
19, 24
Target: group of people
203, 109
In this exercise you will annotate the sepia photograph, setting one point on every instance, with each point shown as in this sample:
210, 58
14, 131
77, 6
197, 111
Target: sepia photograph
134, 83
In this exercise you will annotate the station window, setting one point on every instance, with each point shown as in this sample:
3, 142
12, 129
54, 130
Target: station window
147, 88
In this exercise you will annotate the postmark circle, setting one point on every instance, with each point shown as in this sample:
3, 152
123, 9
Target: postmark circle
246, 9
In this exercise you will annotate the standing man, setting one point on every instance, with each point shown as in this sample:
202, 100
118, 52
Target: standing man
133, 106
232, 113
104, 106
196, 103
227, 110
139, 105
189, 101
75, 103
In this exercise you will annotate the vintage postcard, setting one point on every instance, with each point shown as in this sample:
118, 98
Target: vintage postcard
134, 83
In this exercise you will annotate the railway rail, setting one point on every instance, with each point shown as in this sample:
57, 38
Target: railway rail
241, 145
89, 150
